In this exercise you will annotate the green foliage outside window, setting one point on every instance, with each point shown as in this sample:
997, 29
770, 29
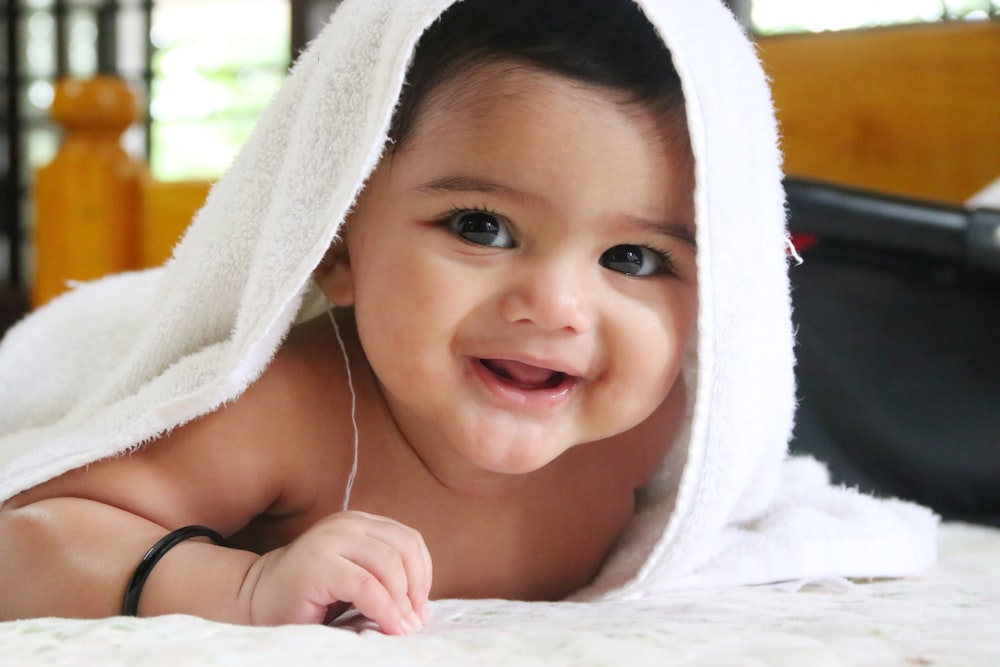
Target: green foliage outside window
215, 68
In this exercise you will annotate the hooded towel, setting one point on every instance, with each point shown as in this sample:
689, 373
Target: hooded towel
113, 364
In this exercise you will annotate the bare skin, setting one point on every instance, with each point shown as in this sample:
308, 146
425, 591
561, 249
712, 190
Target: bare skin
505, 424
272, 466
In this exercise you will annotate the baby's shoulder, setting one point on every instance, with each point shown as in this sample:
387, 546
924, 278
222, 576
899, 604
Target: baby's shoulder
270, 440
292, 427
301, 401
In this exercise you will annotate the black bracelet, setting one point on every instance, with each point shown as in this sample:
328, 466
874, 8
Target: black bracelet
130, 606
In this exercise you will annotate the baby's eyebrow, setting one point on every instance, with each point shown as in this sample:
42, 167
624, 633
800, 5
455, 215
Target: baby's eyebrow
681, 231
471, 184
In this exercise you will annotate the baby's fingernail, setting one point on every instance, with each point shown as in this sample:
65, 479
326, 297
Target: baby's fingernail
425, 614
416, 621
406, 625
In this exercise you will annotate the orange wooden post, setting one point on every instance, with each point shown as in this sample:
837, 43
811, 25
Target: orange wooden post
166, 210
87, 198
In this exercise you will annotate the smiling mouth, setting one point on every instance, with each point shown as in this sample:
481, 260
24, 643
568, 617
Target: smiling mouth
524, 376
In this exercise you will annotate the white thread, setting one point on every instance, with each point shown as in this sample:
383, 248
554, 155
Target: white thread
793, 251
354, 405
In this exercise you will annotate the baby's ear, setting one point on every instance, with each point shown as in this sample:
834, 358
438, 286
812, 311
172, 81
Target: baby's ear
334, 276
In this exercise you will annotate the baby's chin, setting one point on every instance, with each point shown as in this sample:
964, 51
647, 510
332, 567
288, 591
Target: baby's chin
518, 459
505, 461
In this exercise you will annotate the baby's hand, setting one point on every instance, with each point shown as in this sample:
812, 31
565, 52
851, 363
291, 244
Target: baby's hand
379, 565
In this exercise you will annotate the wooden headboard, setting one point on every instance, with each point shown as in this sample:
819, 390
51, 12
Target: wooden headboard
911, 110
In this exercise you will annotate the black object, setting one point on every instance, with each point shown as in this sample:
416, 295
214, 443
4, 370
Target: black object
897, 310
130, 604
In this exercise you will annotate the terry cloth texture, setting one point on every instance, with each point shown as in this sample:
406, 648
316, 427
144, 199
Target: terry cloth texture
114, 363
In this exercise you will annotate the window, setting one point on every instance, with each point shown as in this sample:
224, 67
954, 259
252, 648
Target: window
47, 40
202, 70
784, 16
212, 77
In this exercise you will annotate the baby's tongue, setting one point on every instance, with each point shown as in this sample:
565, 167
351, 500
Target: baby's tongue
522, 374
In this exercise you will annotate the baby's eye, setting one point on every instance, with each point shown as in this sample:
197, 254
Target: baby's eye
636, 260
481, 228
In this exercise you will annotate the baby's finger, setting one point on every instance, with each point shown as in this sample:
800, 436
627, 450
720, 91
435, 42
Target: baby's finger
370, 597
416, 558
386, 563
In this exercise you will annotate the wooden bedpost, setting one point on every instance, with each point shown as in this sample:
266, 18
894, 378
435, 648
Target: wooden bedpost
87, 198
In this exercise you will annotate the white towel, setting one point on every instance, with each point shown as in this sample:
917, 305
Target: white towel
114, 363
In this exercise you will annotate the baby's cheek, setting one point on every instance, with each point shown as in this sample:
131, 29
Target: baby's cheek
656, 374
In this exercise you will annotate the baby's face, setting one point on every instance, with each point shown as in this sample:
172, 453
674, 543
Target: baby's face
523, 270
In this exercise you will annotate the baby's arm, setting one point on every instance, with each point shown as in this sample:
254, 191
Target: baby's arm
69, 546
71, 557
66, 556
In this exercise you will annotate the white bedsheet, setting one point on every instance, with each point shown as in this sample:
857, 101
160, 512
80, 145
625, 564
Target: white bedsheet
951, 616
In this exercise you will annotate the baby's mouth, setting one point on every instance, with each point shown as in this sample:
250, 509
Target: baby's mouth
524, 376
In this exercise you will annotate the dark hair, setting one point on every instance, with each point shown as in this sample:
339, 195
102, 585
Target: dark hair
605, 43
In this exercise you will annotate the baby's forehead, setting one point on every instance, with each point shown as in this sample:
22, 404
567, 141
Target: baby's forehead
521, 77
478, 89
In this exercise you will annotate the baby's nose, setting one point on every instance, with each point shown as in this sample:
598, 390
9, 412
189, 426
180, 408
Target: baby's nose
552, 296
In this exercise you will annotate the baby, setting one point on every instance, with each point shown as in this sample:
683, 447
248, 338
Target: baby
513, 292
